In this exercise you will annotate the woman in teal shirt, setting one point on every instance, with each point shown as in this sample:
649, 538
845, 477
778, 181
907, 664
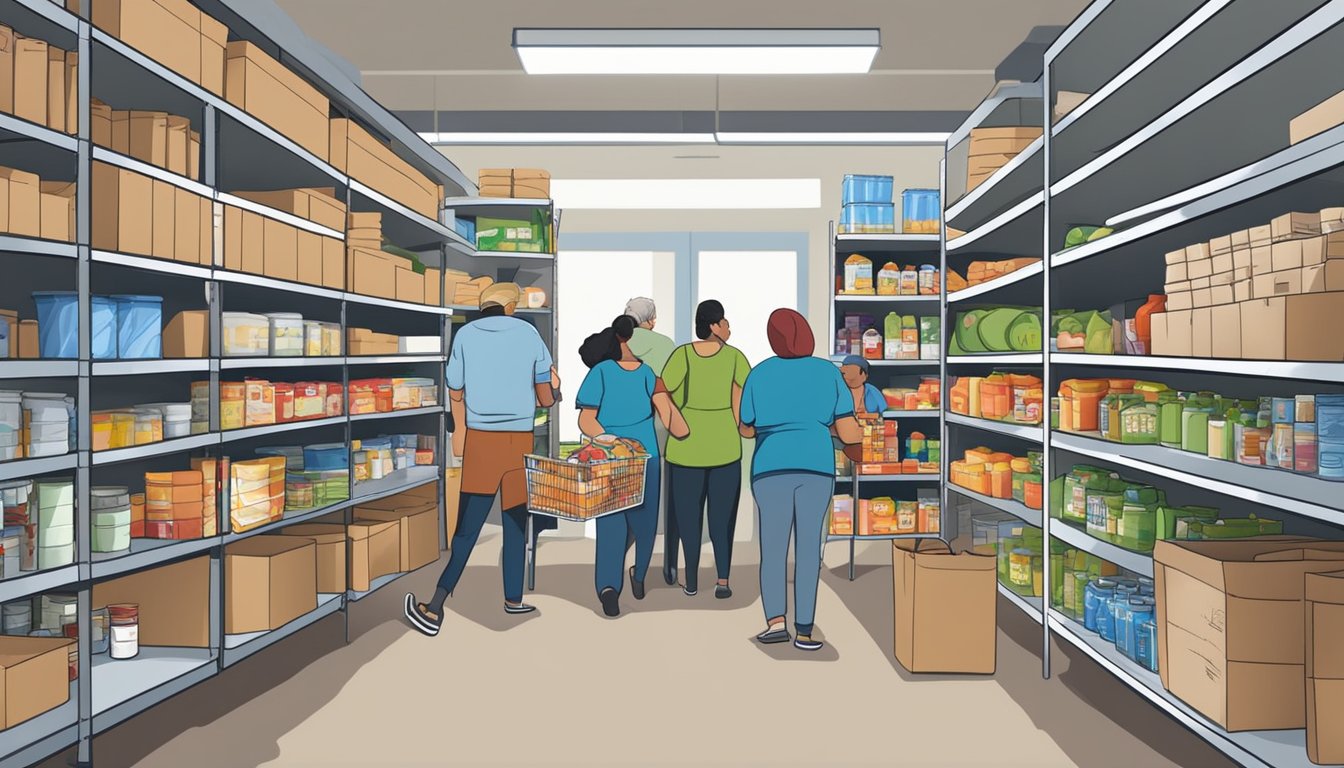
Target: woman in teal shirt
619, 397
790, 404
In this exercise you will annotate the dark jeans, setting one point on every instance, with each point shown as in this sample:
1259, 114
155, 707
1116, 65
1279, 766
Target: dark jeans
616, 531
472, 511
689, 491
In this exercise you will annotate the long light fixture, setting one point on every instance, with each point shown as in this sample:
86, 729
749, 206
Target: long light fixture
696, 51
686, 194
786, 137
595, 138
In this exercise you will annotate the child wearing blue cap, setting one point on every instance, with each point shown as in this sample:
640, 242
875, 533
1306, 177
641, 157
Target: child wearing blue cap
867, 398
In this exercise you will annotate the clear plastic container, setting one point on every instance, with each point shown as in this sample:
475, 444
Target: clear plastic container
148, 426
867, 218
246, 335
139, 327
286, 334
176, 418
57, 323
312, 338
860, 188
919, 211
331, 339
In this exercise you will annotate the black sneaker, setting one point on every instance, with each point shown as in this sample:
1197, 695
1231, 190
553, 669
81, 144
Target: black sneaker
421, 618
722, 592
611, 602
807, 644
689, 592
519, 608
773, 635
636, 586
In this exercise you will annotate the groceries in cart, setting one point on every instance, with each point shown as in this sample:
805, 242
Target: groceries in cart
606, 447
600, 478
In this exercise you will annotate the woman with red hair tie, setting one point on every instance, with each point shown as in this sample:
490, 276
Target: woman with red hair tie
790, 404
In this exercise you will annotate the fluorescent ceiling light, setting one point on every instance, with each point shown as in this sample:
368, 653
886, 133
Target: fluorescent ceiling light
686, 194
781, 137
461, 139
696, 51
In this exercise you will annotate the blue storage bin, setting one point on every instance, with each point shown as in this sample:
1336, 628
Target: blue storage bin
139, 327
466, 228
57, 323
919, 211
104, 340
326, 457
868, 218
859, 188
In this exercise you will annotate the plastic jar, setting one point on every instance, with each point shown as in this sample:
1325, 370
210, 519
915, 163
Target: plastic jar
312, 338
125, 630
232, 404
246, 335
1095, 599
285, 334
1019, 569
331, 339
1139, 611
139, 327
176, 418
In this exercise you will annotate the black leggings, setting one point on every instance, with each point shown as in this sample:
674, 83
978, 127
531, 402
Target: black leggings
689, 491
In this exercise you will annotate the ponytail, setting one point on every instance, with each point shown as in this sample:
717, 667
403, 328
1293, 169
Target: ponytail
606, 343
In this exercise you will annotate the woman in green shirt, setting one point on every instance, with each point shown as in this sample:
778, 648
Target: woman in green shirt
705, 379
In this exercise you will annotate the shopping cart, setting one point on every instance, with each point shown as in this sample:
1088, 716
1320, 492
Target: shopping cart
579, 492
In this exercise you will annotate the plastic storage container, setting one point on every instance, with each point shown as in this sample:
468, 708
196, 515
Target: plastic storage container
11, 425
861, 188
176, 418
285, 334
46, 422
919, 211
103, 344
139, 327
246, 335
868, 218
57, 323
312, 338
326, 457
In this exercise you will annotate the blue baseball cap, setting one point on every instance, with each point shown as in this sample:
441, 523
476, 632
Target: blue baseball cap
856, 360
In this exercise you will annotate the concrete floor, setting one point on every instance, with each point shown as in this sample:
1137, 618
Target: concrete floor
673, 681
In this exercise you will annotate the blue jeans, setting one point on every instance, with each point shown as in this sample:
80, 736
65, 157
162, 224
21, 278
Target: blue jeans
792, 505
615, 530
472, 511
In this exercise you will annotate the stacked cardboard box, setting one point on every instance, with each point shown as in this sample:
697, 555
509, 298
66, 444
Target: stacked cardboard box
319, 206
417, 527
529, 183
269, 582
375, 551
467, 293
174, 33
1259, 294
277, 96
362, 341
329, 540
992, 148
1325, 666
374, 272
263, 246
31, 207
146, 217
39, 82
1318, 119
158, 138
355, 151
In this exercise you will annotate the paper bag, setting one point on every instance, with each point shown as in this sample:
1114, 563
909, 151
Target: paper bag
946, 605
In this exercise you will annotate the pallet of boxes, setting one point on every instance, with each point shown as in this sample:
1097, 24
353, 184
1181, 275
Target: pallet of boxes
1266, 293
990, 149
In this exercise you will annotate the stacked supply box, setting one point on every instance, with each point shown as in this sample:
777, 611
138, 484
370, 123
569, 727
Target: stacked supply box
992, 148
141, 216
174, 33
867, 206
175, 505
32, 207
39, 82
1325, 667
417, 524
269, 582
371, 161
375, 551
272, 92
330, 542
159, 138
264, 246
527, 183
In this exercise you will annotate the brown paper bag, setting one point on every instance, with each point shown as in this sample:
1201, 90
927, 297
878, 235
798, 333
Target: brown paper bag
945, 609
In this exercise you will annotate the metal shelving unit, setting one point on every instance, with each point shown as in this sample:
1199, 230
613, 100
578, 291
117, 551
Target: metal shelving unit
1028, 605
234, 145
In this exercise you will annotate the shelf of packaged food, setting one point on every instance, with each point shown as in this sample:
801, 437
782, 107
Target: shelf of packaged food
259, 281
394, 359
1265, 369
404, 412
1016, 180
405, 306
1276, 488
37, 132
105, 155
902, 243
151, 264
1012, 507
885, 299
1011, 233
1138, 562
249, 433
399, 481
1028, 605
38, 369
291, 517
161, 448
22, 468
921, 413
239, 647
35, 247
514, 255
35, 582
913, 477
838, 359
1007, 358
53, 12
1257, 749
277, 215
35, 739
1120, 162
150, 366
235, 363
123, 688
1035, 433
1012, 278
145, 553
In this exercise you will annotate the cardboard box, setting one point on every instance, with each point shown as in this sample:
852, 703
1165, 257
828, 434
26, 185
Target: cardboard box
28, 345
1246, 671
1241, 258
1285, 283
1221, 294
276, 95
56, 100
281, 250
433, 284
1333, 245
1170, 288
30, 80
123, 210
168, 31
149, 137
187, 227
371, 274
1262, 260
329, 540
164, 218
317, 206
1201, 297
194, 155
1201, 332
1222, 262
1294, 225
233, 238
1197, 268
174, 602
1177, 273
187, 335
1263, 328
308, 260
410, 286
34, 676
1325, 667
71, 92
373, 163
1226, 319
121, 132
1175, 257
57, 210
1306, 322
1175, 339
177, 132
1318, 119
7, 42
338, 137
212, 237
1220, 245
976, 164
375, 551
1241, 290
1313, 278
357, 220
1200, 283
214, 38
25, 202
1197, 252
1291, 254
268, 582
1222, 278
1325, 710
100, 123
1261, 235
333, 263
945, 606
418, 530
253, 243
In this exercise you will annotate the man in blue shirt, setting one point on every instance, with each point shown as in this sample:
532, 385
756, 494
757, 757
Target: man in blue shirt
499, 371
867, 398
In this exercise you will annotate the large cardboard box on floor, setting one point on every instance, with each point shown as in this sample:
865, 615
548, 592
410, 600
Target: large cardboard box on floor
945, 609
123, 210
375, 551
1293, 327
1230, 618
375, 164
329, 539
268, 582
34, 677
418, 524
277, 96
174, 602
1325, 667
168, 31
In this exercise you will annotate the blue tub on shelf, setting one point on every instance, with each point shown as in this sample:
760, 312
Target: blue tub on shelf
919, 211
57, 323
861, 188
139, 327
104, 338
326, 457
868, 218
